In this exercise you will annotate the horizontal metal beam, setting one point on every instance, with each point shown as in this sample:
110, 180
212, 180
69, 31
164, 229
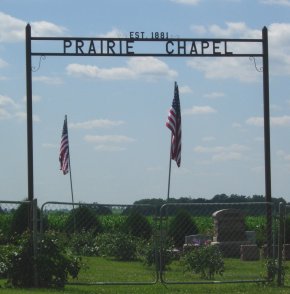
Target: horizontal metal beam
145, 54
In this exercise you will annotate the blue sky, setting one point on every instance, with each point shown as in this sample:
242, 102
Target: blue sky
117, 107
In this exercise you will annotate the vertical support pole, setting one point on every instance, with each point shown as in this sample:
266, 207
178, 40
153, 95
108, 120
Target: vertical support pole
34, 240
267, 142
280, 242
29, 119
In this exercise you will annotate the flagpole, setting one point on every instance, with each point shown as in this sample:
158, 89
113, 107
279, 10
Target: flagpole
169, 173
70, 175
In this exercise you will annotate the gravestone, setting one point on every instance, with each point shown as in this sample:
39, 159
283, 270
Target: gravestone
229, 231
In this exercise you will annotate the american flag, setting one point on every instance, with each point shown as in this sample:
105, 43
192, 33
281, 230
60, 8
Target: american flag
174, 124
64, 149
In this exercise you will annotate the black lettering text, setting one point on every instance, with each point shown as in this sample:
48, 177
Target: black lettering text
226, 49
167, 47
193, 48
216, 47
110, 47
181, 46
79, 46
92, 49
66, 44
129, 46
204, 45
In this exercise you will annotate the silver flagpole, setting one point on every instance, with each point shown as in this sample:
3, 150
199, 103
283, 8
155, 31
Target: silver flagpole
169, 174
70, 175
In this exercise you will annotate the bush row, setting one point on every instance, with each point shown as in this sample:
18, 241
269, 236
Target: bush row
86, 218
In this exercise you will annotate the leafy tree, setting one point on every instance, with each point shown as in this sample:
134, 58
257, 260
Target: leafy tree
180, 226
83, 218
53, 262
137, 225
20, 219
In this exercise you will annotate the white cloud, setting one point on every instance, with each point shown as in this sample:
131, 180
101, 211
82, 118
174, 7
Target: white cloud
208, 138
3, 63
198, 29
224, 153
7, 101
22, 116
284, 155
214, 95
49, 145
226, 156
236, 125
97, 123
13, 29
46, 29
109, 148
279, 121
35, 98
255, 121
218, 149
187, 2
237, 29
240, 68
184, 90
199, 110
226, 68
108, 143
7, 107
48, 80
108, 139
138, 67
114, 33
276, 2
4, 114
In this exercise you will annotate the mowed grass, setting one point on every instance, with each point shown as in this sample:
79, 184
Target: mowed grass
102, 270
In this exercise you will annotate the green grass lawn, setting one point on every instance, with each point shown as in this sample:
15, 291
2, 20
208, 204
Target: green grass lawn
103, 270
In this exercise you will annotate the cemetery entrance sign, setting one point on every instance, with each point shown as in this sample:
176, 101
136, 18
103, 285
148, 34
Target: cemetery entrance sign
158, 44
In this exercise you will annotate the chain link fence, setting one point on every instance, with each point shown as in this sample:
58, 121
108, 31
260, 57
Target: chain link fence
206, 243
284, 246
15, 218
117, 243
174, 244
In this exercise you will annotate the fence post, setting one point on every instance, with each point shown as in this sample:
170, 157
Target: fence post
280, 243
34, 240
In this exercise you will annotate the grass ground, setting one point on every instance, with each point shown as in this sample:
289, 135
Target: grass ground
99, 269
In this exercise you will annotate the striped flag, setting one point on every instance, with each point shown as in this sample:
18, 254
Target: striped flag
174, 124
64, 149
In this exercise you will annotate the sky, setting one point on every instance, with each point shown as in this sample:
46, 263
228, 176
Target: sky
117, 107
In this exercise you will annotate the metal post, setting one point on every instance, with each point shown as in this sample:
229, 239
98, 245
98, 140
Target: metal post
280, 242
34, 240
29, 113
267, 141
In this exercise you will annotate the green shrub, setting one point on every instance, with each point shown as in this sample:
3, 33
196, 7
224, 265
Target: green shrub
287, 229
180, 226
137, 225
83, 218
117, 245
149, 252
84, 243
5, 225
5, 254
54, 264
204, 260
20, 219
